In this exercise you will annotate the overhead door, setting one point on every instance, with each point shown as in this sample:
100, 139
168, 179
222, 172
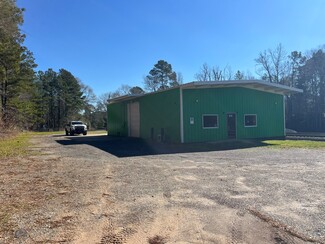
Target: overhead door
134, 119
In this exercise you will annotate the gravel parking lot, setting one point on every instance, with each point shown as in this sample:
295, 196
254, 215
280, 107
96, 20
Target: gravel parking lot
254, 195
119, 190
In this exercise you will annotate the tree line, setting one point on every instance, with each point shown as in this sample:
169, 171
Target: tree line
304, 111
48, 99
16, 67
37, 100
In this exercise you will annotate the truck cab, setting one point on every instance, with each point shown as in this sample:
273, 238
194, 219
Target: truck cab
75, 127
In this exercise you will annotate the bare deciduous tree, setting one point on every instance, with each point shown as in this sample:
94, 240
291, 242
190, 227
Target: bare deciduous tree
179, 78
227, 73
150, 84
248, 76
272, 65
216, 73
124, 89
102, 101
208, 73
121, 91
204, 73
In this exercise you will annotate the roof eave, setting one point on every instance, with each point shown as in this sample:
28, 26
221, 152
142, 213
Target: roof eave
124, 98
253, 84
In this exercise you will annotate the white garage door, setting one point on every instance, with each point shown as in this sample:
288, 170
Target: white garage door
134, 119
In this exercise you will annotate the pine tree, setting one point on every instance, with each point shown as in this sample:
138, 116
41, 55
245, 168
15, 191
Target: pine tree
16, 68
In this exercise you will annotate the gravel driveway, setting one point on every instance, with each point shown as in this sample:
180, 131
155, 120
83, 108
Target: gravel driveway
140, 193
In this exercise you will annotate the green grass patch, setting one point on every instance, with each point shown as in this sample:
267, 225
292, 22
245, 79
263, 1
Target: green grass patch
15, 145
48, 133
295, 143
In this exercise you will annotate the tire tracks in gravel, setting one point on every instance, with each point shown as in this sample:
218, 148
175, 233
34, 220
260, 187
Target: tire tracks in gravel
287, 229
86, 173
116, 200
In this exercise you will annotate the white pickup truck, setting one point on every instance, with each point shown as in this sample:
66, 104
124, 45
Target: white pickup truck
75, 127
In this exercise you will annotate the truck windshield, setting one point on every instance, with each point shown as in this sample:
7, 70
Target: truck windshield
76, 123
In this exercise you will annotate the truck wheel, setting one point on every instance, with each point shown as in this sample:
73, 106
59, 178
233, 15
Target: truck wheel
85, 133
66, 133
71, 133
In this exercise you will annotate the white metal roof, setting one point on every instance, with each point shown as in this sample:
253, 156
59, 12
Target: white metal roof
251, 84
124, 97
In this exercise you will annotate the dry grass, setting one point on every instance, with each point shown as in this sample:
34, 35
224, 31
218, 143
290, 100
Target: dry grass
7, 210
97, 132
23, 188
14, 145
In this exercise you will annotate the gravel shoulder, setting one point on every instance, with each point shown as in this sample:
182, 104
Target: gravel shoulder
96, 189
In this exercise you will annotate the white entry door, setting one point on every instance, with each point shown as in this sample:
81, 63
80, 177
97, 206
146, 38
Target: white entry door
134, 119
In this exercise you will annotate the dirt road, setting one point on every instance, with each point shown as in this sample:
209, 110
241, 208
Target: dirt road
96, 189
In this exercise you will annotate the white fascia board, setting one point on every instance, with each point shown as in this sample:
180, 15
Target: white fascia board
253, 84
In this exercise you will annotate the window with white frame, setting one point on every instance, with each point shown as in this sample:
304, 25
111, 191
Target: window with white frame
210, 121
250, 120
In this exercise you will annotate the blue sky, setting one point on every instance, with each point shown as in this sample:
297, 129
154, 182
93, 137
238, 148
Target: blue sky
107, 43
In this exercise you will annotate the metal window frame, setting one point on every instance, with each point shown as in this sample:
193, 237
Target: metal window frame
255, 120
210, 115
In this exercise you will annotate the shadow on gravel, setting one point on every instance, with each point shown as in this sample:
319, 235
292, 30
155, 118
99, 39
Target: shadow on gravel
129, 147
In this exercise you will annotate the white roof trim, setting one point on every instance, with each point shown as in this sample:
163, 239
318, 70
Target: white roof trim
124, 97
253, 84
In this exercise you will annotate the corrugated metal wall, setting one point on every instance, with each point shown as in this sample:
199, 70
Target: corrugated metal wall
160, 116
267, 106
117, 119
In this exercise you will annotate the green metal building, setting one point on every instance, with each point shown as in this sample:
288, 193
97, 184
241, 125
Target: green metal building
202, 111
